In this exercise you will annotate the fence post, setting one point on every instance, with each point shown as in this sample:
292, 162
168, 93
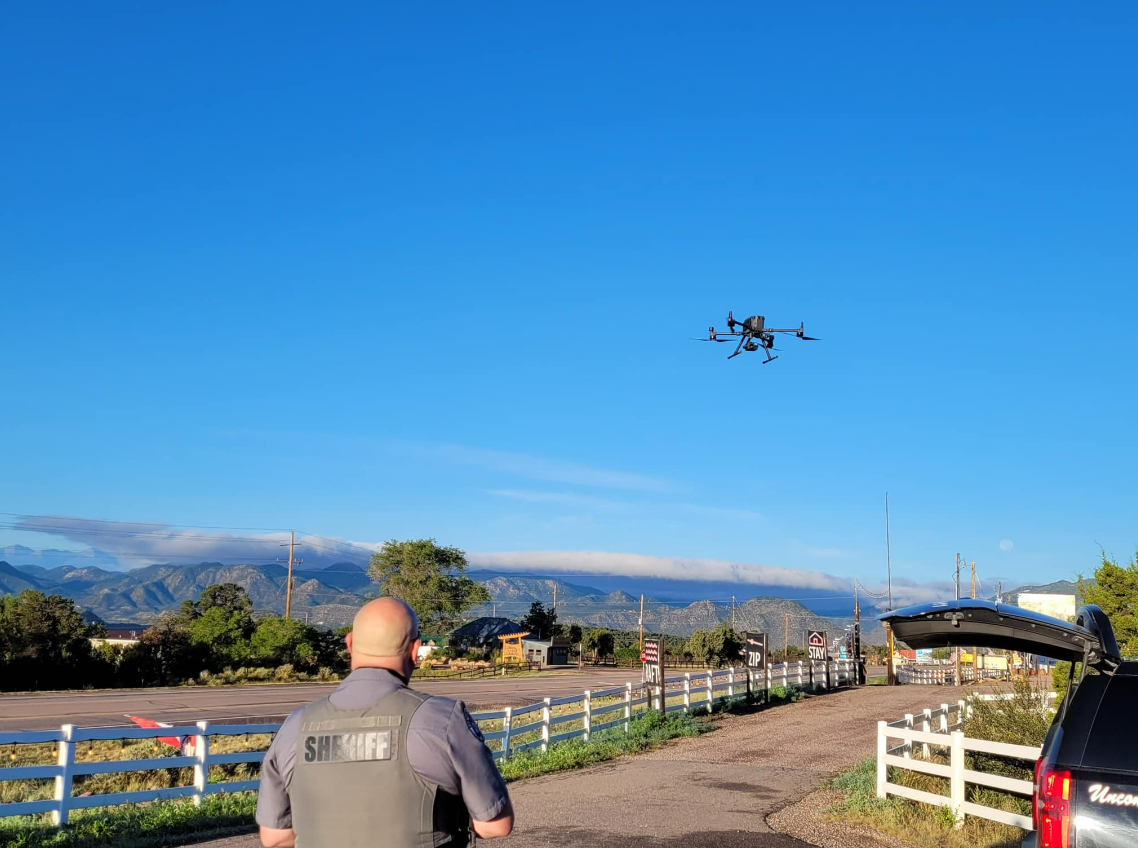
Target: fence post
201, 767
687, 692
63, 782
943, 718
957, 781
882, 750
730, 684
588, 728
908, 742
961, 712
507, 728
926, 726
627, 706
545, 716
800, 675
710, 692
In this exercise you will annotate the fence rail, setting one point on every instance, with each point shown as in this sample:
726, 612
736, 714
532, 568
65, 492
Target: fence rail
504, 733
941, 728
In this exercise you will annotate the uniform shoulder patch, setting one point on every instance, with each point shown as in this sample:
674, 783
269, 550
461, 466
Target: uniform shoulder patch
472, 725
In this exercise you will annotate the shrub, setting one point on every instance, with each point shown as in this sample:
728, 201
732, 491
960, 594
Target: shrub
284, 672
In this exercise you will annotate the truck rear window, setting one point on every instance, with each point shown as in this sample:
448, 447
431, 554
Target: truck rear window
1113, 742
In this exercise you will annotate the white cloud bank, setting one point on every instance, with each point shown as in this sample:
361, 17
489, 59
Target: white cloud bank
665, 568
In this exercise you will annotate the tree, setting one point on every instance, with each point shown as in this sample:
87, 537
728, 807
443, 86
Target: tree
1115, 591
278, 641
165, 653
575, 634
430, 579
44, 643
715, 647
541, 622
222, 622
599, 641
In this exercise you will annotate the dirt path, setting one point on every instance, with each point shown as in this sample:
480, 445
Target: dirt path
715, 790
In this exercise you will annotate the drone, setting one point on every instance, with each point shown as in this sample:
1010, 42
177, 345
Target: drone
753, 335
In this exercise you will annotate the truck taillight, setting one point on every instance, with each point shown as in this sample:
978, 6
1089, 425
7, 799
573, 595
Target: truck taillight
1051, 805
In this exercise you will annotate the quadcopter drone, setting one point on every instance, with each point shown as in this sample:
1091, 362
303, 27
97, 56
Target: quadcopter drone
753, 335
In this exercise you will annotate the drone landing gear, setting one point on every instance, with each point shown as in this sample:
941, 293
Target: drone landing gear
769, 358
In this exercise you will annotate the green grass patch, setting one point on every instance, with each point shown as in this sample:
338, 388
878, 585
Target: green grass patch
136, 825
920, 824
646, 731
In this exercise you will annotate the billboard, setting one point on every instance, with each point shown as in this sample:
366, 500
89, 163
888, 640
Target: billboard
924, 656
1056, 606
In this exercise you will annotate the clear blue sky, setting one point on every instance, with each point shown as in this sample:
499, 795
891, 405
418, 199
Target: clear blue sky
390, 272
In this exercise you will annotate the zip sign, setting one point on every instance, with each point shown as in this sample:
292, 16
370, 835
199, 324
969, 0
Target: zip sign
755, 651
816, 645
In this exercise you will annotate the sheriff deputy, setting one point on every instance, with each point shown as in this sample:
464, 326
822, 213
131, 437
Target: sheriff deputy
376, 763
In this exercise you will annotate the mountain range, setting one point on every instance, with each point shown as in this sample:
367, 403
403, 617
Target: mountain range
329, 597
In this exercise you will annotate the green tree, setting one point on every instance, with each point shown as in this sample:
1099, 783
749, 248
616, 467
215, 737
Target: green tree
278, 641
541, 622
223, 624
599, 642
720, 646
164, 654
575, 634
1115, 590
44, 643
430, 579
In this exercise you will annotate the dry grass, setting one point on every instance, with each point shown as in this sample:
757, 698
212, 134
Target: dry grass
12, 791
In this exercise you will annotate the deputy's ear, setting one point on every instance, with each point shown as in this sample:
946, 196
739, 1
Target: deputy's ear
348, 641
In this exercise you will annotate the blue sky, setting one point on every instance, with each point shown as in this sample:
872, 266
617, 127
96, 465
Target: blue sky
392, 272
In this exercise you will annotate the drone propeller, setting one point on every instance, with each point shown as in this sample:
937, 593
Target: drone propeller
721, 341
809, 339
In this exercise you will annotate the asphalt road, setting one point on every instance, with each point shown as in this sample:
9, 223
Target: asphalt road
268, 703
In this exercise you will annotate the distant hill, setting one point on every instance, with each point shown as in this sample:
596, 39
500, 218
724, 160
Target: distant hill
329, 597
1059, 587
13, 581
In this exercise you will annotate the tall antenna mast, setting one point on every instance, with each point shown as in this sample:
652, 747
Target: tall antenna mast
888, 560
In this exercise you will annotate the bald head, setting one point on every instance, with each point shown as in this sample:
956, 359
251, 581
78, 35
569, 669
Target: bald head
384, 634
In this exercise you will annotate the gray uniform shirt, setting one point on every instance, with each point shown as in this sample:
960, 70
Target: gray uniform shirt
444, 747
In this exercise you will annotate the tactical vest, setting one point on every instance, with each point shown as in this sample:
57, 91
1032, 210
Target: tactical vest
353, 787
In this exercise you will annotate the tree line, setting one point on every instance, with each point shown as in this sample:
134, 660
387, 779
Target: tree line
45, 643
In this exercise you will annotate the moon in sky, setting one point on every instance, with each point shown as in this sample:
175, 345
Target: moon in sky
1006, 545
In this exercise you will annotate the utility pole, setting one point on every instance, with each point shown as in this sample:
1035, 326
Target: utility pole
291, 562
495, 613
786, 638
732, 613
958, 598
1000, 592
890, 675
642, 622
975, 649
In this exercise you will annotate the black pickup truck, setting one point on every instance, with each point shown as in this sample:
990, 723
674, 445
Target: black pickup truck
1086, 781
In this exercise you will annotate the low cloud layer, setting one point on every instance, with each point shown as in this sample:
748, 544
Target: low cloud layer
135, 544
665, 568
132, 545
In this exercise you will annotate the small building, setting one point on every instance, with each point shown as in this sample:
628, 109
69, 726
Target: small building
123, 637
429, 644
547, 652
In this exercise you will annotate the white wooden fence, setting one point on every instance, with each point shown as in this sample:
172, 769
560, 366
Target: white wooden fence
507, 731
940, 675
940, 728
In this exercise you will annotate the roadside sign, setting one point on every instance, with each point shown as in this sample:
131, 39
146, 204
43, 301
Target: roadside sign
651, 657
755, 650
816, 645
